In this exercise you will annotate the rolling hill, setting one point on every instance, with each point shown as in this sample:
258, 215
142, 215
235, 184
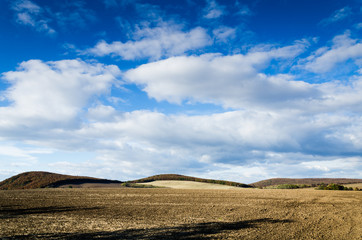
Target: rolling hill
31, 180
177, 177
307, 181
37, 179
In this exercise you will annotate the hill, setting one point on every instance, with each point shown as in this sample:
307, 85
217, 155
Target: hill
175, 184
170, 177
31, 180
37, 179
307, 181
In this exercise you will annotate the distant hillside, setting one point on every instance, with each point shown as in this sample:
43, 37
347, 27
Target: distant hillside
187, 178
307, 181
31, 180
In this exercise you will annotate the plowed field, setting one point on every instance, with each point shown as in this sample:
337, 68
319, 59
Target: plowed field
180, 214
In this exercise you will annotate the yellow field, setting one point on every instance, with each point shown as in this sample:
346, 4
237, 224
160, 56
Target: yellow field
188, 185
123, 213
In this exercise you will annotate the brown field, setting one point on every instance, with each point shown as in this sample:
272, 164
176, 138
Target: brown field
125, 213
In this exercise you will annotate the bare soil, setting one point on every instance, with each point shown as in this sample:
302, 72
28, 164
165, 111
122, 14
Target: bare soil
124, 213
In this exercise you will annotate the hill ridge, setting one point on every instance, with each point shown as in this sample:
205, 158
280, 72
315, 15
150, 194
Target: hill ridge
42, 179
307, 181
188, 178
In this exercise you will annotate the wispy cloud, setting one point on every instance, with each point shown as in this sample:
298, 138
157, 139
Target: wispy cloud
244, 10
343, 48
74, 14
213, 10
29, 13
338, 15
224, 34
45, 19
155, 43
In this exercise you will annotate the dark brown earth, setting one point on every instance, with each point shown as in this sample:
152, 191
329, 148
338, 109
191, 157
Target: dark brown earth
125, 213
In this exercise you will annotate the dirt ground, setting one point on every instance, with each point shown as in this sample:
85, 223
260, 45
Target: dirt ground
122, 213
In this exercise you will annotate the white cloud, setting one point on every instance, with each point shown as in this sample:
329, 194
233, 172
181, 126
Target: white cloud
340, 164
154, 43
236, 137
54, 93
13, 151
237, 81
223, 143
338, 15
213, 10
343, 49
26, 5
232, 81
101, 113
232, 145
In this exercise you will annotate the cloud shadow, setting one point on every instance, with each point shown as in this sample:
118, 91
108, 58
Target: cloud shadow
183, 232
11, 212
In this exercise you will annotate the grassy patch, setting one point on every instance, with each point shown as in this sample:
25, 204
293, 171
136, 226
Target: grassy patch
138, 185
333, 186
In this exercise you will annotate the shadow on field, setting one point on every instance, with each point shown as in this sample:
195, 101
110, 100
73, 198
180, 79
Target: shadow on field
10, 211
186, 231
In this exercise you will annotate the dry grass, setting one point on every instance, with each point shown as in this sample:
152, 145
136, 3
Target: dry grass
188, 185
180, 214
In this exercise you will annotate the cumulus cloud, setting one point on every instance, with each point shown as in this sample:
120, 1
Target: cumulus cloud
218, 142
232, 81
344, 48
154, 43
222, 144
43, 93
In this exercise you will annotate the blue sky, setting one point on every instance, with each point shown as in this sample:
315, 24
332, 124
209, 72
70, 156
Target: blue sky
235, 90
